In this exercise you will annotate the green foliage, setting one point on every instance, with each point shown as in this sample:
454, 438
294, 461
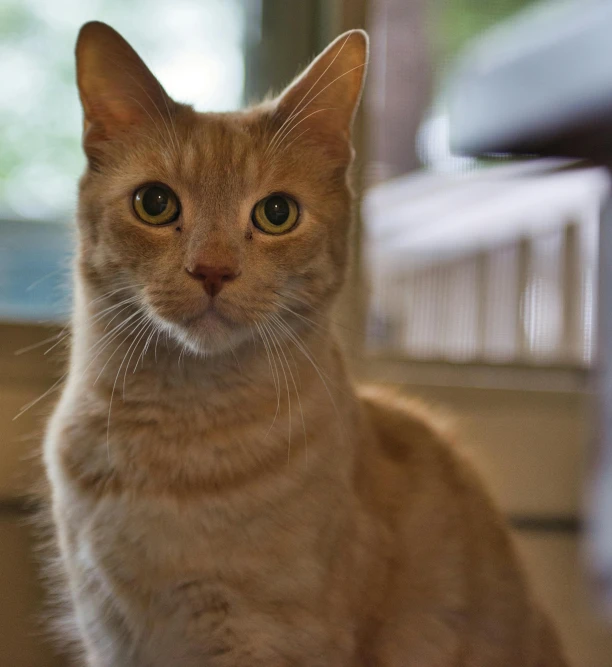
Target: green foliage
194, 45
456, 22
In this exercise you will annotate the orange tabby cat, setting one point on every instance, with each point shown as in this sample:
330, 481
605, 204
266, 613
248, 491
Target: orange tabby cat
222, 495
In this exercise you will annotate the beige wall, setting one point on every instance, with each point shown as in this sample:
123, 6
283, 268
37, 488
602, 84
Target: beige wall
529, 446
22, 615
554, 564
23, 378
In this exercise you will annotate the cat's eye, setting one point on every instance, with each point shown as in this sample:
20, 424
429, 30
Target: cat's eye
275, 214
156, 204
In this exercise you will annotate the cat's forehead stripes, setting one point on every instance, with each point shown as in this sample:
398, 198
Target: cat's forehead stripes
218, 156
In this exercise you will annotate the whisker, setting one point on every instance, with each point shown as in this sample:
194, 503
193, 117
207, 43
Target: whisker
117, 331
31, 404
108, 334
30, 287
231, 348
296, 124
165, 137
134, 346
170, 116
110, 403
304, 350
277, 387
297, 393
159, 333
311, 323
63, 334
146, 346
46, 341
121, 329
274, 341
112, 292
265, 342
116, 315
308, 305
288, 146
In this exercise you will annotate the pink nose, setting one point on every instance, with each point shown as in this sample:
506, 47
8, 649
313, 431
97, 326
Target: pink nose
213, 278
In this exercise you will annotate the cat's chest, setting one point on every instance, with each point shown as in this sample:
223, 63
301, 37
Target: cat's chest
186, 452
150, 502
210, 582
153, 545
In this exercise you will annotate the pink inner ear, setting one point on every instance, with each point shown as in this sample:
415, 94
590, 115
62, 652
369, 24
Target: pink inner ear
121, 113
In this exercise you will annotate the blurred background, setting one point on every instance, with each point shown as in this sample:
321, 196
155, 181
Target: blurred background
474, 284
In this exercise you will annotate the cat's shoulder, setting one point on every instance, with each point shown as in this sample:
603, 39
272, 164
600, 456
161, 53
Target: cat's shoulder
414, 434
406, 421
417, 452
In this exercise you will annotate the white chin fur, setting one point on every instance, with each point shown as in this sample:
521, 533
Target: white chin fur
206, 343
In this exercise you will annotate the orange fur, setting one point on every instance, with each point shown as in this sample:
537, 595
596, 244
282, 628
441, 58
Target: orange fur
222, 495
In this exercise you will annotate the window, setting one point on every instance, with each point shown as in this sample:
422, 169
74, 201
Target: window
195, 47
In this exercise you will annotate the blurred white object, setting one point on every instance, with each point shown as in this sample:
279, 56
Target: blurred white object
542, 85
538, 84
496, 265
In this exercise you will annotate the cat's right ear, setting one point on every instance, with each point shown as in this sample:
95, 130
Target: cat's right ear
117, 90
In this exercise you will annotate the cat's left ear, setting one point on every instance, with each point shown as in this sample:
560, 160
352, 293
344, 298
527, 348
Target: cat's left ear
327, 93
117, 90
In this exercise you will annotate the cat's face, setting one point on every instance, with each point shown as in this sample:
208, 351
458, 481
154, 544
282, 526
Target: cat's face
216, 223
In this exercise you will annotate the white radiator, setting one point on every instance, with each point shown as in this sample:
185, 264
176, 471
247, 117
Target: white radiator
497, 265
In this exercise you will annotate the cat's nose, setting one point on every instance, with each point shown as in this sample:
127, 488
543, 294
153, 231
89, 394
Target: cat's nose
213, 278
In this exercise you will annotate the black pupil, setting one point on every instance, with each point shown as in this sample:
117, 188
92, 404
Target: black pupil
155, 201
277, 210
